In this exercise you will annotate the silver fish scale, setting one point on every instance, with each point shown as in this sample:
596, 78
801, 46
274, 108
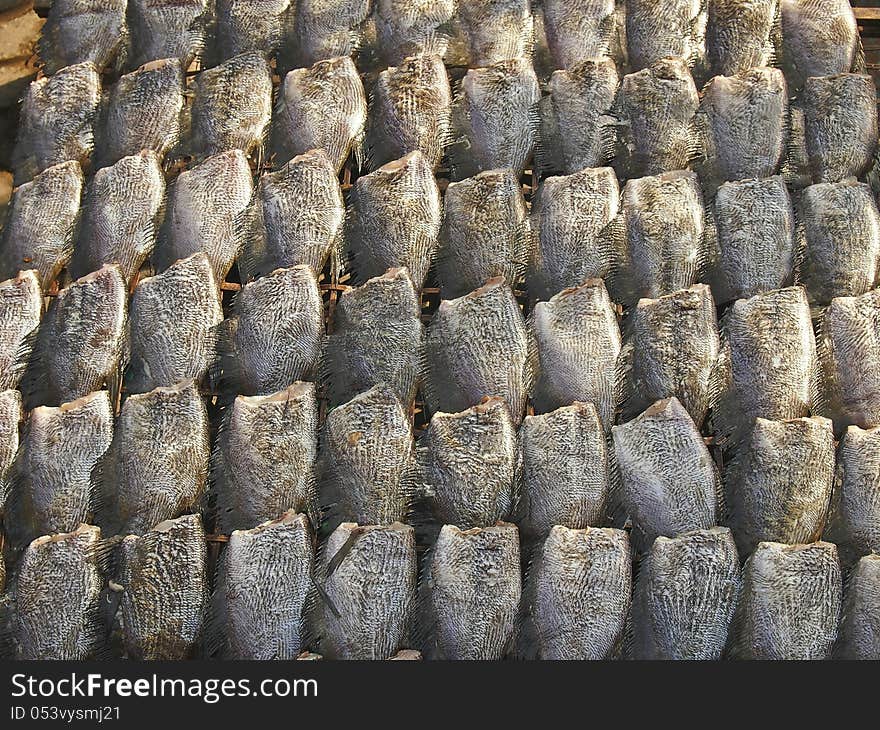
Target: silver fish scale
244, 26
57, 120
56, 485
407, 28
264, 459
565, 469
840, 125
373, 591
859, 634
741, 34
205, 209
475, 590
577, 126
854, 519
21, 306
779, 484
665, 246
81, 340
675, 348
572, 233
278, 328
159, 458
266, 589
121, 209
496, 30
578, 29
143, 111
477, 346
368, 458
685, 596
41, 225
743, 126
668, 479
410, 110
485, 233
470, 464
581, 591
770, 347
321, 107
755, 230
656, 108
57, 597
395, 219
232, 105
377, 337
11, 415
576, 348
168, 29
165, 597
171, 326
789, 603
77, 31
849, 343
658, 29
303, 212
840, 229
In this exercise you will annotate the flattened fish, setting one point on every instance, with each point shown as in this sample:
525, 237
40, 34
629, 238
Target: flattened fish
368, 458
849, 354
57, 121
321, 107
840, 233
165, 596
576, 348
497, 112
656, 109
57, 475
668, 479
475, 592
171, 325
485, 233
57, 597
77, 31
395, 219
232, 105
789, 603
325, 29
159, 458
675, 348
411, 28
276, 331
264, 460
410, 110
470, 463
168, 29
743, 126
81, 344
840, 115
741, 34
581, 593
143, 112
496, 30
377, 337
21, 306
244, 26
11, 415
859, 635
779, 484
577, 126
770, 351
572, 232
267, 589
658, 29
369, 578
122, 209
665, 246
578, 29
477, 346
206, 210
565, 469
685, 596
755, 231
41, 225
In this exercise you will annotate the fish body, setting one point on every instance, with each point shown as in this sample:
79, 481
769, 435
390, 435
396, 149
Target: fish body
21, 307
77, 31
244, 26
859, 635
168, 29
658, 29
11, 415
578, 29
496, 30
741, 34
406, 28
325, 29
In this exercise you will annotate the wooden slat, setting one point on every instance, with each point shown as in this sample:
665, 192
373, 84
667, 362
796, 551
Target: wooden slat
867, 14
